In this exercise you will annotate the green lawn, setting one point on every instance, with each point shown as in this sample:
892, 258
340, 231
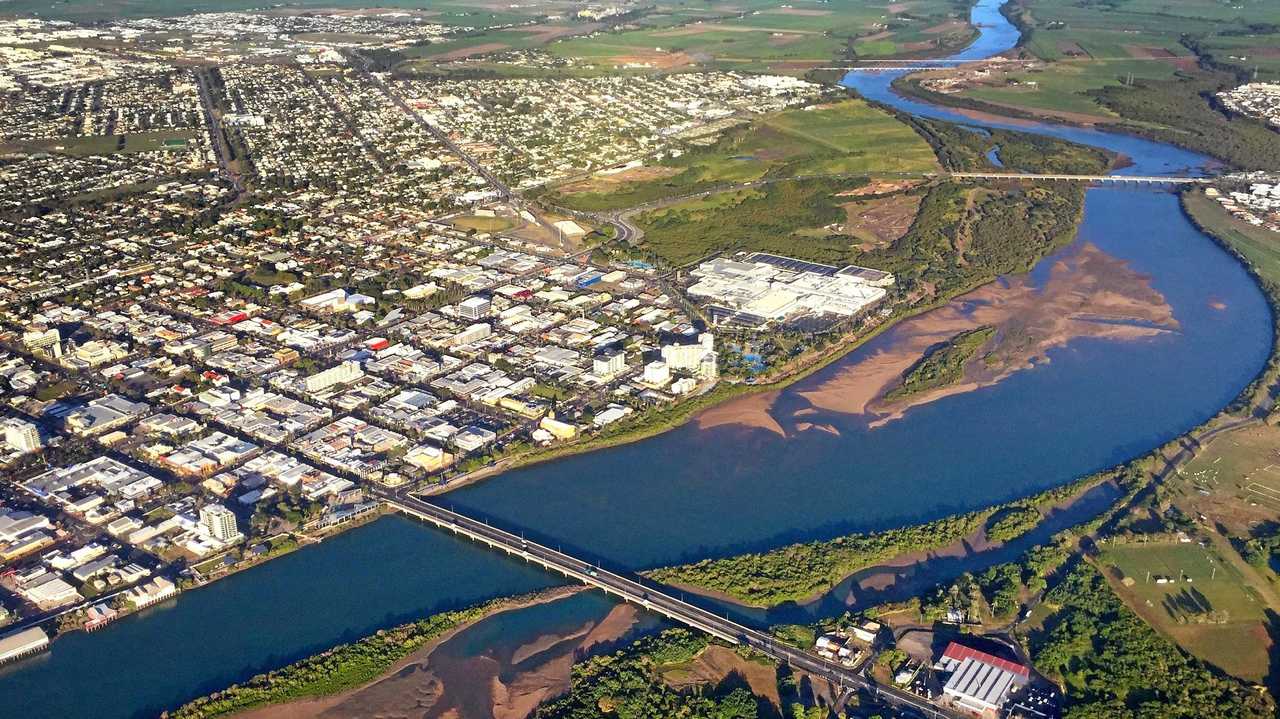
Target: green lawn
868, 139
111, 144
1207, 607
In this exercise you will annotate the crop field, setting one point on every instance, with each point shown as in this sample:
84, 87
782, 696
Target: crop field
775, 35
1246, 53
1065, 86
866, 139
1206, 606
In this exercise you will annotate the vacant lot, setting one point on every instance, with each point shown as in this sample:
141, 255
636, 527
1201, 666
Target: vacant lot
848, 137
881, 222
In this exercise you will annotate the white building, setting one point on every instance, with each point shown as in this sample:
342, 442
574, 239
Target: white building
657, 373
700, 358
474, 308
219, 522
44, 342
609, 364
344, 373
21, 435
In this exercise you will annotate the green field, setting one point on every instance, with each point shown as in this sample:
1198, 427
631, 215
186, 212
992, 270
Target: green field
866, 139
1205, 606
483, 224
1064, 87
774, 34
1260, 246
109, 144
848, 137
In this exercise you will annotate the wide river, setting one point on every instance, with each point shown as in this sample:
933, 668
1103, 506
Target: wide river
699, 492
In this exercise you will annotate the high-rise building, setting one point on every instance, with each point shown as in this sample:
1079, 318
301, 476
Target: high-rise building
219, 522
22, 436
699, 359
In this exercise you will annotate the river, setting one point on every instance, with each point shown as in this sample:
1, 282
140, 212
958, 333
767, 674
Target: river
697, 492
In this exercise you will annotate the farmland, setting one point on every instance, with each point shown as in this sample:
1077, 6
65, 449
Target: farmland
778, 36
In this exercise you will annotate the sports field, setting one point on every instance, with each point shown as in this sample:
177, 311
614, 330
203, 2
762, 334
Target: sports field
1198, 598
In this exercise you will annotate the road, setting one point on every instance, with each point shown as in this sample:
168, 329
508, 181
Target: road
215, 132
494, 181
657, 600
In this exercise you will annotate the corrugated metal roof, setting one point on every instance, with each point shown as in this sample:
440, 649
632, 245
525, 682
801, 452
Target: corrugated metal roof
957, 652
980, 681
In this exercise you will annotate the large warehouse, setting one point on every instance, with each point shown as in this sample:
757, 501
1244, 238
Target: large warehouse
979, 682
761, 288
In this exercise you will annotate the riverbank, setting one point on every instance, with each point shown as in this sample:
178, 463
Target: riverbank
1258, 250
803, 573
310, 686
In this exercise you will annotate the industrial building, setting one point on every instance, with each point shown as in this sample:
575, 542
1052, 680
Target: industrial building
980, 683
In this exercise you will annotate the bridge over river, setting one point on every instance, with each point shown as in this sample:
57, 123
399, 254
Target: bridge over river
1137, 179
657, 599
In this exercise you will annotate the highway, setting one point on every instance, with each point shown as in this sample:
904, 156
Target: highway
659, 601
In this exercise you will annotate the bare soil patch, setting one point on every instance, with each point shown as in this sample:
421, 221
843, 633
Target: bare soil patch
881, 221
659, 60
716, 663
1072, 49
547, 33
945, 27
880, 187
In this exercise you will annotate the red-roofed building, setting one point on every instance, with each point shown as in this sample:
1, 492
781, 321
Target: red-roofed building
980, 682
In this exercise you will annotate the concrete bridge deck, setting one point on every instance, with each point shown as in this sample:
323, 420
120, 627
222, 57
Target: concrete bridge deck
1138, 179
658, 600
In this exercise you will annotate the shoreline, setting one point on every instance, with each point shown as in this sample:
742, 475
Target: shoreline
310, 706
1047, 506
719, 395
303, 541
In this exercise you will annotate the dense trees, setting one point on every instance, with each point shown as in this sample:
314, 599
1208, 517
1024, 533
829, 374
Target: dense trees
1115, 666
764, 219
798, 571
1183, 112
966, 149
943, 365
629, 684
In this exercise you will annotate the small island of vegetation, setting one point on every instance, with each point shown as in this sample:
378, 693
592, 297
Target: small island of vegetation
943, 365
